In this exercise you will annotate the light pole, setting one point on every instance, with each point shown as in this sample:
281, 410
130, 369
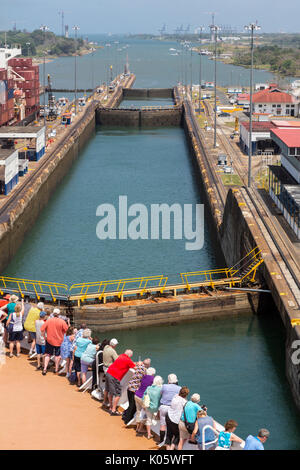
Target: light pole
44, 28
27, 44
76, 28
201, 29
251, 27
215, 30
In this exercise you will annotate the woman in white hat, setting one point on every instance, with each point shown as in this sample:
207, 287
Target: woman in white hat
168, 391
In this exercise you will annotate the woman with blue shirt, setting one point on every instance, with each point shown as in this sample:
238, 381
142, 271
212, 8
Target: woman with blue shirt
80, 346
88, 357
189, 415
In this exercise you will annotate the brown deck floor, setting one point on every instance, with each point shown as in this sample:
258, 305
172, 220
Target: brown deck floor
45, 412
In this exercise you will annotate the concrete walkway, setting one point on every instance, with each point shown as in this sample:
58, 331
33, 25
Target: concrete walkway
45, 412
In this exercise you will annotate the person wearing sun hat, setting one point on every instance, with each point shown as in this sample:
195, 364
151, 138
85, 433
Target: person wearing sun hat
55, 328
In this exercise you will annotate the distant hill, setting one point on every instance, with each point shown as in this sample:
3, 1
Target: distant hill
40, 42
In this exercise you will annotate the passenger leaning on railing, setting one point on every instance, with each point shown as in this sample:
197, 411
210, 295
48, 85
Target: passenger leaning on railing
168, 391
109, 354
88, 356
226, 437
146, 381
133, 386
151, 408
113, 378
104, 343
204, 420
80, 346
67, 347
173, 417
188, 418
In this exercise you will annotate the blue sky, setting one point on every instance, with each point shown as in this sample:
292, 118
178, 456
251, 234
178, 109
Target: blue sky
135, 16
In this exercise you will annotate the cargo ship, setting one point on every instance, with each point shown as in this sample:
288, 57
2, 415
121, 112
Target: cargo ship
19, 88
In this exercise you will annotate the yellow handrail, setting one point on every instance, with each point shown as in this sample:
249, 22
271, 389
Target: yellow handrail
39, 288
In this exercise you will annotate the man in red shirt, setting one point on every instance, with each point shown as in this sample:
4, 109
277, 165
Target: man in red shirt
55, 328
114, 375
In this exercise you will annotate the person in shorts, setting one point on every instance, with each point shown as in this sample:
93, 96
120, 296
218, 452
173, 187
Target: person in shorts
16, 331
114, 375
55, 328
40, 340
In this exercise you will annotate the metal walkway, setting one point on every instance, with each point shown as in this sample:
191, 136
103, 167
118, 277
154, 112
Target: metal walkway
122, 289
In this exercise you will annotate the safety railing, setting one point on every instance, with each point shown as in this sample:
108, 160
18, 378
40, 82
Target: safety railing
23, 287
118, 288
211, 277
247, 265
205, 444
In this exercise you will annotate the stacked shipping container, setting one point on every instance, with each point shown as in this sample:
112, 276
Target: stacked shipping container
31, 85
3, 97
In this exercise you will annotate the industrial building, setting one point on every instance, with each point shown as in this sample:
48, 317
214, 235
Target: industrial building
284, 180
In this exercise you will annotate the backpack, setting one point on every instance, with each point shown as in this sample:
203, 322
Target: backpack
146, 400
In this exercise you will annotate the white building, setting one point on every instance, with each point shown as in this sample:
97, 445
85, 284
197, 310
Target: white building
9, 170
276, 102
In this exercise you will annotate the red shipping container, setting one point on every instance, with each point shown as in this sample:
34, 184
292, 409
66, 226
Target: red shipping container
27, 61
30, 102
10, 104
27, 74
10, 83
11, 114
3, 107
28, 85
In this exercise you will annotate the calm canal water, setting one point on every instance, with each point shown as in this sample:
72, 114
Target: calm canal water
237, 365
149, 167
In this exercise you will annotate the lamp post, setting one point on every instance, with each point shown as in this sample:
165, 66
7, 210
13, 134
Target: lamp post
201, 29
215, 29
76, 28
251, 27
44, 28
27, 44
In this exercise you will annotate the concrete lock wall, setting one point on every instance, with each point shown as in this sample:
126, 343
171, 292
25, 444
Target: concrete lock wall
139, 118
148, 93
164, 312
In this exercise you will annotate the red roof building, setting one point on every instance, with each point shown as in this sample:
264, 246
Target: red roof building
276, 102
